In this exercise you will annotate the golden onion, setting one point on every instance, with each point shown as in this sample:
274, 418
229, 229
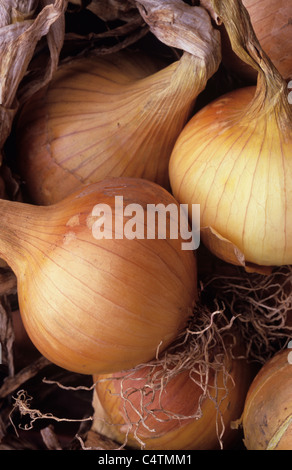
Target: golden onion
115, 115
267, 415
234, 159
98, 304
271, 20
150, 408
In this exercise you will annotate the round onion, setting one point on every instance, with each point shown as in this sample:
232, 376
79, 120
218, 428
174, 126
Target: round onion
271, 20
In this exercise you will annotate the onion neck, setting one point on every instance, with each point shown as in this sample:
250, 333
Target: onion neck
176, 87
17, 242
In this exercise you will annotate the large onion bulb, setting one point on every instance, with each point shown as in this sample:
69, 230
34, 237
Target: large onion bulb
234, 159
149, 408
267, 416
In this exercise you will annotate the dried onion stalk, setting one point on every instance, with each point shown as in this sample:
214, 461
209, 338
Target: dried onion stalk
21, 28
186, 398
267, 415
95, 304
271, 20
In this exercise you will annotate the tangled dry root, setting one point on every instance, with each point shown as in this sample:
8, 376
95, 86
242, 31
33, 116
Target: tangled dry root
262, 305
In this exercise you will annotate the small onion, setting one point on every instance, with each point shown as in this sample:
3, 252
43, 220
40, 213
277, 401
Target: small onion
267, 416
234, 159
97, 305
147, 408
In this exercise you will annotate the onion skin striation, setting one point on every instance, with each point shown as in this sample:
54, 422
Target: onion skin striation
106, 116
97, 305
136, 409
234, 159
267, 416
241, 175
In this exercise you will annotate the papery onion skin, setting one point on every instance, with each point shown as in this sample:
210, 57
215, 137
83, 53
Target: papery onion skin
271, 21
114, 410
267, 416
97, 305
240, 172
104, 116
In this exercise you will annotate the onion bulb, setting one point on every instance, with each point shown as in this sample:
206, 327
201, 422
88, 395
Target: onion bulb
98, 304
267, 415
115, 115
234, 159
152, 408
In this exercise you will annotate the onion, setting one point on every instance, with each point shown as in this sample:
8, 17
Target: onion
159, 408
234, 159
271, 21
91, 304
117, 115
266, 420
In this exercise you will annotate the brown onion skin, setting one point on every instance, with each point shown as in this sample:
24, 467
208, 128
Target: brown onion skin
180, 396
90, 305
268, 406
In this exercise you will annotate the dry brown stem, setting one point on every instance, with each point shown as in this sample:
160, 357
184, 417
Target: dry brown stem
263, 305
22, 404
184, 27
129, 30
201, 351
96, 441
